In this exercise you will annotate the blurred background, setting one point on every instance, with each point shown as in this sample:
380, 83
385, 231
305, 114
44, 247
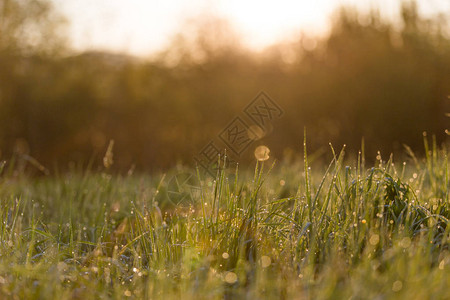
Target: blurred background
163, 79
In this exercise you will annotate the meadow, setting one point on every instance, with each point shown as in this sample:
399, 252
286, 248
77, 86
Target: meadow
288, 230
144, 223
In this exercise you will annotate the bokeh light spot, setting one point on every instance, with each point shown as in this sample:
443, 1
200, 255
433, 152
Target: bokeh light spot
262, 153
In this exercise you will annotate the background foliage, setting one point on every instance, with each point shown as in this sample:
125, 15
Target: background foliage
368, 78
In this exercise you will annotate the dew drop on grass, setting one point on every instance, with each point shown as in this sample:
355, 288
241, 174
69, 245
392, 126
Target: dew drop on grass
230, 278
266, 261
397, 286
405, 242
374, 239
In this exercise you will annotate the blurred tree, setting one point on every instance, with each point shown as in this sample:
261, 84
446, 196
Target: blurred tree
29, 27
30, 32
369, 78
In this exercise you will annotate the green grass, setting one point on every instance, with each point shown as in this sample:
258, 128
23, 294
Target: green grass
298, 230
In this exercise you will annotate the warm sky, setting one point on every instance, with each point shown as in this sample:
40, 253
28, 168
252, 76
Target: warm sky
142, 27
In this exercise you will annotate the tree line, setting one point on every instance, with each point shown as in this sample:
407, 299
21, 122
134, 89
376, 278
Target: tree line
368, 78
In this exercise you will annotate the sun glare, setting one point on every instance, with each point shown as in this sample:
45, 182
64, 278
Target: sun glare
142, 27
265, 22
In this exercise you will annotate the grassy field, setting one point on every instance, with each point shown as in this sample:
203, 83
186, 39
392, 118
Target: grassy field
299, 230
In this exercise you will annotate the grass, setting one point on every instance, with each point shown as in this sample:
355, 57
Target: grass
294, 231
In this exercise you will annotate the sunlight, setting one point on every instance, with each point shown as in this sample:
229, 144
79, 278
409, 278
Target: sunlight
264, 22
142, 27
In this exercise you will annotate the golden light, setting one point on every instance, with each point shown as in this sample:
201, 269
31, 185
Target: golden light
141, 27
264, 22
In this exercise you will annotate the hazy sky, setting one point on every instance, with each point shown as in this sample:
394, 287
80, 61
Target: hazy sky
144, 26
